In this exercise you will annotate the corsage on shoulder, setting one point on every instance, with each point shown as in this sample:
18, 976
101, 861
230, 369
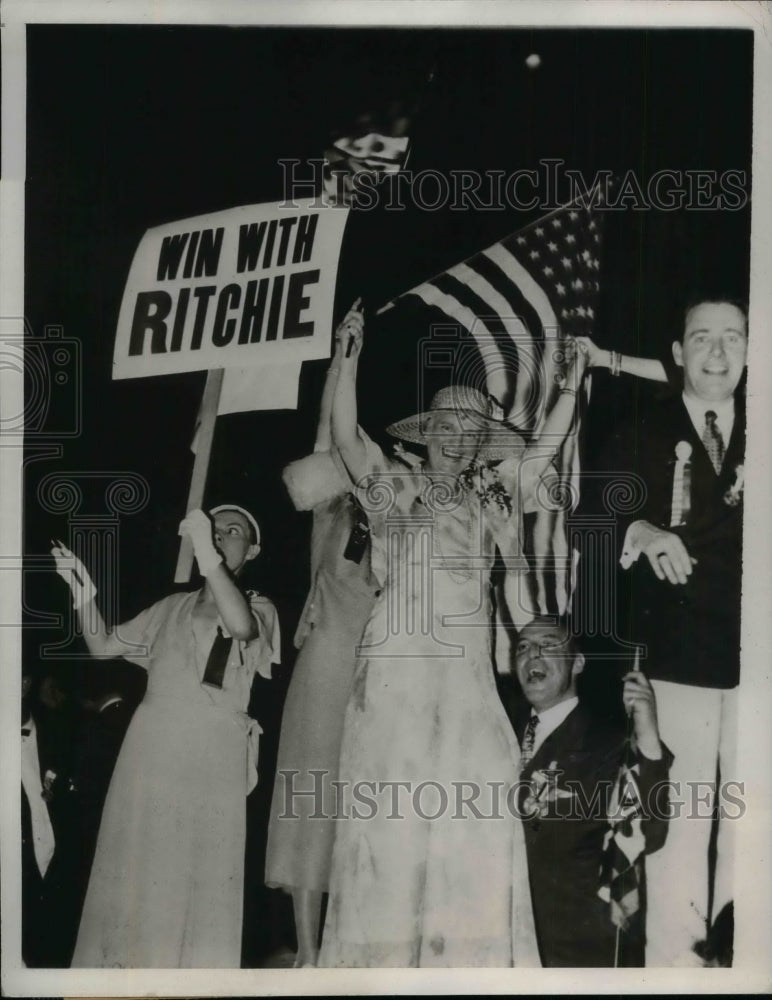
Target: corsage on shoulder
485, 483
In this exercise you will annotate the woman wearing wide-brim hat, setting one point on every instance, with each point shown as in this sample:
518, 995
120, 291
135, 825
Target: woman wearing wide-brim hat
429, 863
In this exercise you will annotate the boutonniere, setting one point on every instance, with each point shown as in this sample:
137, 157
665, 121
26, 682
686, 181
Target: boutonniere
486, 485
544, 789
734, 494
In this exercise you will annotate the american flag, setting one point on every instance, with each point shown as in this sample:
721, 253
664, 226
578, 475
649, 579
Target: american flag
519, 299
624, 846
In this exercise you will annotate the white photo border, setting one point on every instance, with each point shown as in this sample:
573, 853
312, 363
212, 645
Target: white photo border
753, 958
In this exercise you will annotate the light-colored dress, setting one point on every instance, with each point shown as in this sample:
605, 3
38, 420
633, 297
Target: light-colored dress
342, 593
419, 876
166, 885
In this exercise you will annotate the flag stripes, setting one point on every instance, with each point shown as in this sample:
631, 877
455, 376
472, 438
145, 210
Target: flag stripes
519, 299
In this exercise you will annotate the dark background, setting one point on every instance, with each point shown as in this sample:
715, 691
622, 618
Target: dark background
131, 127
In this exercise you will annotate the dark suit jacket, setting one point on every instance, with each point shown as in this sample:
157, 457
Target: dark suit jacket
691, 631
564, 850
43, 919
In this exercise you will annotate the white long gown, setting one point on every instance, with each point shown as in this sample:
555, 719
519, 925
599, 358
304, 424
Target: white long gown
166, 885
423, 709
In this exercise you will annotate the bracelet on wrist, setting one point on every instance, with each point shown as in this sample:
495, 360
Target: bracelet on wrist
333, 371
570, 391
616, 363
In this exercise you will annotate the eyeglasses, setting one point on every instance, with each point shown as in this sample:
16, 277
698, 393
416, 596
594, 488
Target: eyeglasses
545, 646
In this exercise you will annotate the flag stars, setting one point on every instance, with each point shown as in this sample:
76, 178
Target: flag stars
557, 224
577, 284
548, 272
539, 231
573, 214
592, 224
552, 246
580, 311
521, 240
590, 312
534, 255
566, 262
570, 238
560, 288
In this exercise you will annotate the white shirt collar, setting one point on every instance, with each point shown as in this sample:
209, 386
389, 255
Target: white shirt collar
551, 718
724, 410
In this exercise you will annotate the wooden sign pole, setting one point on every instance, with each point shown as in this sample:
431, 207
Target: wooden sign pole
207, 416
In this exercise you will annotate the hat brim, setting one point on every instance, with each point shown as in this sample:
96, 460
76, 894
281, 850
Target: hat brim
501, 440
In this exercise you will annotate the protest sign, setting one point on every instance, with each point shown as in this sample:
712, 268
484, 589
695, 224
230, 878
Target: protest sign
248, 286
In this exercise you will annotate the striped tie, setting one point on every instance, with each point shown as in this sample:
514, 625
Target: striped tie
529, 737
714, 443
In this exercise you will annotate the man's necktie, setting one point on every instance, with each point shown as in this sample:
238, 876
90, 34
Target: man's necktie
714, 443
526, 751
218, 660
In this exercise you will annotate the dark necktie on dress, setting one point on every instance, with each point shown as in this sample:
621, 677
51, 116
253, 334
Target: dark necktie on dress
526, 751
713, 441
360, 532
218, 660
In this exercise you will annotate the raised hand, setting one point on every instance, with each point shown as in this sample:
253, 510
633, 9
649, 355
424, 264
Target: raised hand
576, 361
197, 526
350, 332
640, 702
596, 358
74, 574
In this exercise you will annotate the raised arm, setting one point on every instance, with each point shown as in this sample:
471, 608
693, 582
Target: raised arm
232, 605
103, 643
649, 368
345, 435
324, 426
542, 449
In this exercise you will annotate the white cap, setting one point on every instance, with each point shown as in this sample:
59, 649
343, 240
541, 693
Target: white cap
247, 515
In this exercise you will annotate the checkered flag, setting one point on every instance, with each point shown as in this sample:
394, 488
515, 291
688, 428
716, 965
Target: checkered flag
624, 846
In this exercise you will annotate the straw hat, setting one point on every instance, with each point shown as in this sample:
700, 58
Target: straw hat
500, 440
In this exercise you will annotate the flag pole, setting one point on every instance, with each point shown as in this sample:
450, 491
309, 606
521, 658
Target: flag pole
207, 416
